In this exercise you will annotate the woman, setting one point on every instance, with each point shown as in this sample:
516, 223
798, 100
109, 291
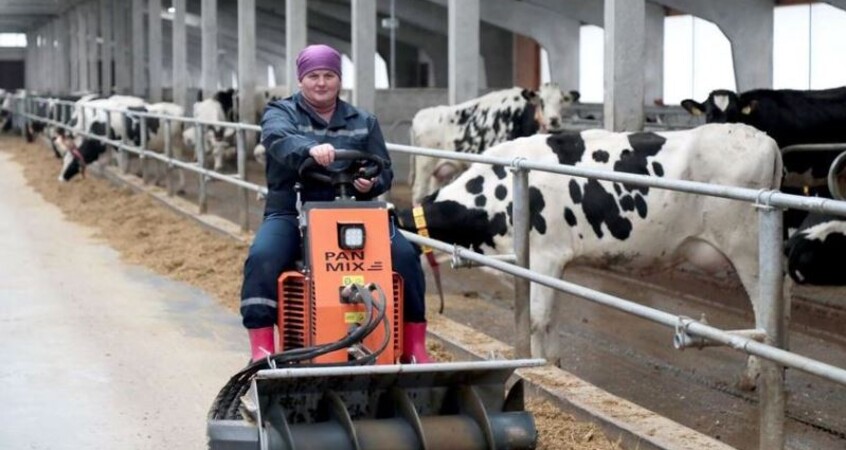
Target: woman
314, 122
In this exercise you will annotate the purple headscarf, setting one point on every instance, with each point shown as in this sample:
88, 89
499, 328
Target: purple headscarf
316, 57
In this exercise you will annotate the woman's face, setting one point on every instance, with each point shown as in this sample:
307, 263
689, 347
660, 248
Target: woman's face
321, 87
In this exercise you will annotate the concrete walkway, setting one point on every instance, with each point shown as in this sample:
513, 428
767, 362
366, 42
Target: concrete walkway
96, 353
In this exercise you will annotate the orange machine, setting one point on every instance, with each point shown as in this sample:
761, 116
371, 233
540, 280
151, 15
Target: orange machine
346, 243
335, 382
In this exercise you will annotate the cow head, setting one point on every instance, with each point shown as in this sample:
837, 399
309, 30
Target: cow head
722, 106
77, 158
552, 100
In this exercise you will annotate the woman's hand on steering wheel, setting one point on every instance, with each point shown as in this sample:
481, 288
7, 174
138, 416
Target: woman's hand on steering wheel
364, 185
323, 154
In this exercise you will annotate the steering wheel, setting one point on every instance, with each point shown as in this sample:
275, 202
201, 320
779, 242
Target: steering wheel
364, 165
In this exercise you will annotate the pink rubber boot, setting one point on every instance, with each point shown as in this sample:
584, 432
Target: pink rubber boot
261, 342
414, 343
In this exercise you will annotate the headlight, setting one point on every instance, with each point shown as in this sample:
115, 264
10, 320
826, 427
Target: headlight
351, 236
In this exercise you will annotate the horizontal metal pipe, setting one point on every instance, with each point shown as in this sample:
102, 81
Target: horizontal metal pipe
308, 372
150, 154
805, 364
762, 196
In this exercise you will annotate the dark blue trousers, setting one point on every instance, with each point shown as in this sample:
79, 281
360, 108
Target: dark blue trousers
277, 247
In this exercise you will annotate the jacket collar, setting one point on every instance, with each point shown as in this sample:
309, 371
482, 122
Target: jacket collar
343, 111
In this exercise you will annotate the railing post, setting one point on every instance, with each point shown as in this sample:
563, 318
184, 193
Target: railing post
168, 151
82, 119
770, 315
123, 155
242, 174
142, 157
202, 201
109, 137
24, 120
522, 286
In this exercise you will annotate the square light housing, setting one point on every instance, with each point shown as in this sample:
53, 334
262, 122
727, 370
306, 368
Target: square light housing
351, 236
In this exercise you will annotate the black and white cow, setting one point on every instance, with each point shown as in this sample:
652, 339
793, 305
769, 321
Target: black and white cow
476, 125
155, 138
816, 253
606, 223
218, 140
93, 114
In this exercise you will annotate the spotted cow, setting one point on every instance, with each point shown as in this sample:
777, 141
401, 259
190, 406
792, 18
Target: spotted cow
476, 125
218, 140
155, 136
606, 223
815, 252
94, 116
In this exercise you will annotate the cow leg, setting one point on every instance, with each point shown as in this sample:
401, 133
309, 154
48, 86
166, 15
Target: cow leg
544, 343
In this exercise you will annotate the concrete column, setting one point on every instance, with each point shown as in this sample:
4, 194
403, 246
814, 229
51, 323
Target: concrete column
40, 51
748, 25
180, 55
209, 44
123, 74
751, 37
29, 70
624, 30
295, 39
92, 16
561, 42
498, 69
136, 37
73, 50
154, 49
82, 32
463, 50
247, 60
107, 48
364, 53
50, 60
653, 76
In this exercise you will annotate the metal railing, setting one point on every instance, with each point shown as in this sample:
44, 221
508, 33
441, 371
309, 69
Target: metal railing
773, 320
771, 317
582, 116
238, 179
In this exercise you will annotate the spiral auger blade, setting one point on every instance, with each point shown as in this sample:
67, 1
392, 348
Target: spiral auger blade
462, 406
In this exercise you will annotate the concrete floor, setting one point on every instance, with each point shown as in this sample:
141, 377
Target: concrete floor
96, 353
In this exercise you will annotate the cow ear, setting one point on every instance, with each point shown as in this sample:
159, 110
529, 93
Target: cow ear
750, 107
693, 107
575, 95
529, 94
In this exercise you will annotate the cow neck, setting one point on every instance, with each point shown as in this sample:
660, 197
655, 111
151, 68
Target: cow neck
324, 112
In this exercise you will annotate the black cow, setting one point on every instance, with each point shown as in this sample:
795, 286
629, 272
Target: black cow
790, 117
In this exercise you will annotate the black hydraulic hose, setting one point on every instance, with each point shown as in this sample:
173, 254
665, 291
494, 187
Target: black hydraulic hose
238, 384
